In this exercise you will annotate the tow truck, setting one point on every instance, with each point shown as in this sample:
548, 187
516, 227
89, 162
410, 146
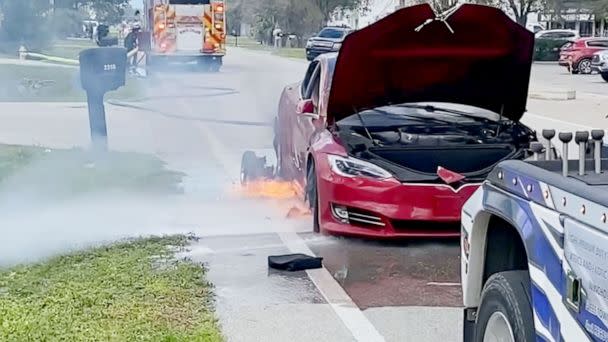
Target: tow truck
185, 31
534, 249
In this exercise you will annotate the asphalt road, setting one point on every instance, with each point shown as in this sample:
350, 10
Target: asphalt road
200, 124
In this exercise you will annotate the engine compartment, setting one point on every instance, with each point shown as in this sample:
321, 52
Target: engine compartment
414, 148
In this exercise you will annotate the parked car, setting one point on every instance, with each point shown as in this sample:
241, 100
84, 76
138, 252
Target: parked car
329, 39
390, 136
577, 55
599, 63
557, 34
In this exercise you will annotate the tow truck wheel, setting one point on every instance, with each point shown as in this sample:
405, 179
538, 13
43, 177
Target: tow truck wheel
505, 312
605, 76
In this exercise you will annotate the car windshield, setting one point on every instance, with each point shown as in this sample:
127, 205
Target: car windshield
331, 33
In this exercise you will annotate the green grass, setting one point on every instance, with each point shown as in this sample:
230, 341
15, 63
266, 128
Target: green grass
68, 48
76, 171
130, 291
248, 43
65, 87
291, 53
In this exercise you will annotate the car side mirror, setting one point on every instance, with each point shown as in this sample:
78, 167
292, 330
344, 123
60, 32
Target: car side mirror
306, 108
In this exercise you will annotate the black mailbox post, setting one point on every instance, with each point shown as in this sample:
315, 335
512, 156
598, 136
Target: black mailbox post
101, 70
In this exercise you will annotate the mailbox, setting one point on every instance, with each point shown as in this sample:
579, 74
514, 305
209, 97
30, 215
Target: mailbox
103, 69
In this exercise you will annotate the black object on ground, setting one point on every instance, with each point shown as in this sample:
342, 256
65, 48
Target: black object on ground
294, 262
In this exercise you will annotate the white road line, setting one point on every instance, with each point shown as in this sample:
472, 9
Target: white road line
433, 283
344, 307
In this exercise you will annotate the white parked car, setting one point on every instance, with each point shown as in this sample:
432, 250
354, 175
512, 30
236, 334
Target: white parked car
599, 63
558, 34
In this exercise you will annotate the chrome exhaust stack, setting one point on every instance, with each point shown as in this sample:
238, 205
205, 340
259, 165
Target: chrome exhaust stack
581, 138
548, 134
536, 148
565, 138
597, 135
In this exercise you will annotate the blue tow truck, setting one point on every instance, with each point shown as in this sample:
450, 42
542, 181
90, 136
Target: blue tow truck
535, 246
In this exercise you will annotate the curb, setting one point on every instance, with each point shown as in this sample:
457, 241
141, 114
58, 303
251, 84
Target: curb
555, 95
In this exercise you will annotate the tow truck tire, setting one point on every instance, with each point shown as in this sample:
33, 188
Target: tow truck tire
506, 299
605, 76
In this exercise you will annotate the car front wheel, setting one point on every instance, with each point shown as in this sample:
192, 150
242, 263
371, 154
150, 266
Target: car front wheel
505, 312
584, 66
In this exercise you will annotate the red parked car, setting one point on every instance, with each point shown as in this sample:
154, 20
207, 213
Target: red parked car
392, 135
578, 54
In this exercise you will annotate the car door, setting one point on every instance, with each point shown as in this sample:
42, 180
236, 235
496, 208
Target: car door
307, 125
287, 131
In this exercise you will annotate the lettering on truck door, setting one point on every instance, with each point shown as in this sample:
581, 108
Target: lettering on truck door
586, 283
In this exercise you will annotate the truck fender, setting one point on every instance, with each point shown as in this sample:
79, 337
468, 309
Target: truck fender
484, 204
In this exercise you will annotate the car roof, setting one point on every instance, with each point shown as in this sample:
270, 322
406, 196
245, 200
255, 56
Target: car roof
558, 30
592, 38
337, 27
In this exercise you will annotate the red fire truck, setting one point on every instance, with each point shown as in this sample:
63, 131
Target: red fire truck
185, 31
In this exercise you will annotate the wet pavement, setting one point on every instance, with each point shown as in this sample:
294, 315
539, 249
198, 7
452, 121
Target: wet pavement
255, 303
376, 274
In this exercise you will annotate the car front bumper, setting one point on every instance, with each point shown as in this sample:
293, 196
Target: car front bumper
388, 208
314, 52
601, 66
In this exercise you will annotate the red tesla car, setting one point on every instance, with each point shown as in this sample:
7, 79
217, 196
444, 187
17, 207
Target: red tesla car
579, 54
390, 136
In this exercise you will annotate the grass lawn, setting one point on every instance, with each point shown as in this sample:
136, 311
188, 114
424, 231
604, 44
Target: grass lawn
248, 43
76, 171
130, 291
65, 85
68, 48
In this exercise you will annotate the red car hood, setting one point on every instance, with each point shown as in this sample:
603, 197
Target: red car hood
485, 62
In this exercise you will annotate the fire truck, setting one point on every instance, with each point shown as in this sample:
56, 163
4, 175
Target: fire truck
534, 248
185, 31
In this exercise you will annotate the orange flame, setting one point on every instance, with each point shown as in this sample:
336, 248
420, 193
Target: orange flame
271, 189
291, 193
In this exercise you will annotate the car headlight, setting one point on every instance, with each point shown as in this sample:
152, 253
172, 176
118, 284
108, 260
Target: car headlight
337, 46
351, 167
308, 43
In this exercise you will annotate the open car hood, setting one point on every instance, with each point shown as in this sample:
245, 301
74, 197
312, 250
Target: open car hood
476, 56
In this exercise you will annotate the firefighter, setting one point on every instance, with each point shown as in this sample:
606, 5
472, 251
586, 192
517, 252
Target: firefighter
131, 42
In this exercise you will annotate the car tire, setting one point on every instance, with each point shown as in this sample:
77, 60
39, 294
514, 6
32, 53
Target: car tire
584, 66
605, 76
248, 166
506, 309
312, 195
276, 142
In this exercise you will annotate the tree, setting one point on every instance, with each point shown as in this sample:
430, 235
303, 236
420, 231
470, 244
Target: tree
519, 9
328, 7
25, 22
109, 11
